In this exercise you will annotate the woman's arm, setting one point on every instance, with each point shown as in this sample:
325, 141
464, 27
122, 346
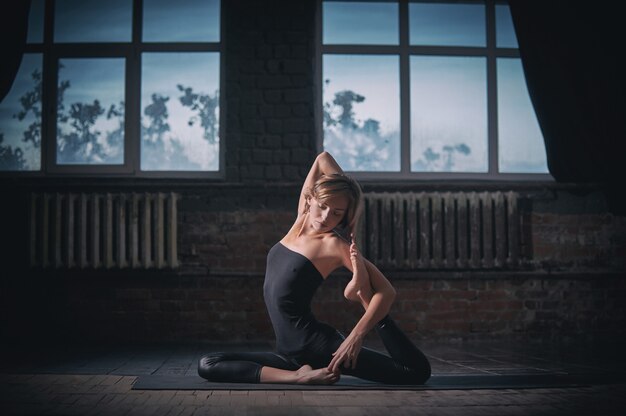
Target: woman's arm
324, 164
377, 306
383, 297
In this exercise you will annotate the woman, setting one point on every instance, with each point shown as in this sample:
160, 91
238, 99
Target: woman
308, 351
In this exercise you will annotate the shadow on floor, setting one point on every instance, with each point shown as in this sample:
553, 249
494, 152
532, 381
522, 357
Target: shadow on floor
463, 358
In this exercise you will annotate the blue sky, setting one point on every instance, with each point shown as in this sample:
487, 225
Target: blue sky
111, 21
161, 73
181, 21
93, 21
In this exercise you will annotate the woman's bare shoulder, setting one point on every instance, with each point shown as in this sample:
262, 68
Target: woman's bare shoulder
337, 245
339, 249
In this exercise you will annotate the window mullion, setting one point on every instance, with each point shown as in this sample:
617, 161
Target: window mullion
49, 75
405, 96
132, 141
319, 81
492, 90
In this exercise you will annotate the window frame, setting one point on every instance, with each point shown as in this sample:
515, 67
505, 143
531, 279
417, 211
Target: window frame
404, 50
131, 52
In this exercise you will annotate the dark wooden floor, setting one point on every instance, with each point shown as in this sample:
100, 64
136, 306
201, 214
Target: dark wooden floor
98, 379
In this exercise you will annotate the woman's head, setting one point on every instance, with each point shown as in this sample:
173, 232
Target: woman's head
335, 200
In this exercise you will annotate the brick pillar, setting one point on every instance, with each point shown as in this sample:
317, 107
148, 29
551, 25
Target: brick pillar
270, 84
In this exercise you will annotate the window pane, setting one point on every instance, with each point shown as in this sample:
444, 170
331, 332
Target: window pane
93, 21
362, 23
448, 114
362, 111
447, 24
181, 21
520, 142
35, 22
90, 111
505, 31
20, 118
180, 111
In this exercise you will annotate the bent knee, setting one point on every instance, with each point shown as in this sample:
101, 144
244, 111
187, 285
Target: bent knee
207, 364
422, 376
421, 372
414, 375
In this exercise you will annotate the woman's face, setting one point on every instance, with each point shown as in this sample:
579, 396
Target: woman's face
326, 215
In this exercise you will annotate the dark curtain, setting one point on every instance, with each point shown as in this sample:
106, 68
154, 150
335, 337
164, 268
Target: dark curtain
571, 54
13, 30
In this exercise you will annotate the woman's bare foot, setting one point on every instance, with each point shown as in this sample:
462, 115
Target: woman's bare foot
359, 288
306, 375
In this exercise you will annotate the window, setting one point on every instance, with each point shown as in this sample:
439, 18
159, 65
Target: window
415, 89
131, 87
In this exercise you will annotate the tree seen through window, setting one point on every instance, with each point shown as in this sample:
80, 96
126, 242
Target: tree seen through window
94, 49
448, 90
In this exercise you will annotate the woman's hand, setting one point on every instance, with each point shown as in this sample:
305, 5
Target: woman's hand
347, 353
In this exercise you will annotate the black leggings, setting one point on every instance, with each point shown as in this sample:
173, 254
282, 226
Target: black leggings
407, 364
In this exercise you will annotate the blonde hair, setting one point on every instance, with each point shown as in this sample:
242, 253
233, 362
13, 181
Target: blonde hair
336, 184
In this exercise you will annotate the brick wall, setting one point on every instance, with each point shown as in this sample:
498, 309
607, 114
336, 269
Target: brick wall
573, 228
573, 284
217, 308
270, 128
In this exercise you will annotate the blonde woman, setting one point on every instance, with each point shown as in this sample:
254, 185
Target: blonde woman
308, 351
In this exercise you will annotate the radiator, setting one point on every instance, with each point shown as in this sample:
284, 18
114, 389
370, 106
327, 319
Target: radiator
103, 230
447, 230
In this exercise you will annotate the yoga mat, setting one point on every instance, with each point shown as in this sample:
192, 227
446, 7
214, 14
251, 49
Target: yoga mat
437, 382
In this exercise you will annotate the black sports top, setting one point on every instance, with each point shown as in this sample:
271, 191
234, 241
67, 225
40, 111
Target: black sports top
291, 280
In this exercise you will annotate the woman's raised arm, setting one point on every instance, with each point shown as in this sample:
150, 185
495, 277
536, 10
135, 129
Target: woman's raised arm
324, 164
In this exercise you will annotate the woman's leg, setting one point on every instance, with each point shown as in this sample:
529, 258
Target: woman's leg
241, 367
376, 366
407, 365
410, 359
259, 367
